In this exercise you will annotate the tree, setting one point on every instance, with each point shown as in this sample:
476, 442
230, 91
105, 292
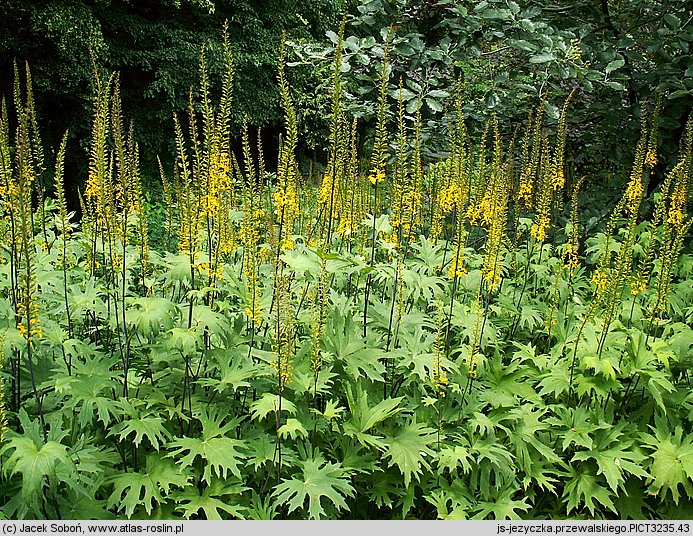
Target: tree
155, 45
511, 54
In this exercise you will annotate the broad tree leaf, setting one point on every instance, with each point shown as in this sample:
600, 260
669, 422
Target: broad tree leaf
269, 403
363, 417
451, 458
235, 369
152, 315
293, 429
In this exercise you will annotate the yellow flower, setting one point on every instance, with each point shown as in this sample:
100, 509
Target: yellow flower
600, 279
571, 256
457, 270
474, 213
492, 277
634, 193
325, 190
287, 203
651, 158
539, 228
557, 179
678, 201
675, 217
345, 228
448, 197
637, 286
524, 193
376, 176
254, 312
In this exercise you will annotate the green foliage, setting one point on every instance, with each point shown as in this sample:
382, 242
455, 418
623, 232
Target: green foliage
510, 53
261, 363
672, 462
155, 46
317, 479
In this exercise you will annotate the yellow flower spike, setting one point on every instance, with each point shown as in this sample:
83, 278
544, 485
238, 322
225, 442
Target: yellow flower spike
600, 279
557, 179
525, 191
376, 176
651, 158
474, 213
675, 216
571, 257
456, 270
345, 228
493, 278
634, 193
539, 228
325, 190
638, 286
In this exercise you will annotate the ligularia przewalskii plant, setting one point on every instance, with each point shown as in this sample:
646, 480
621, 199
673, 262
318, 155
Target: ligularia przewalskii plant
405, 339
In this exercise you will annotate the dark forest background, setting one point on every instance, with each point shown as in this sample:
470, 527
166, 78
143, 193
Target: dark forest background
508, 56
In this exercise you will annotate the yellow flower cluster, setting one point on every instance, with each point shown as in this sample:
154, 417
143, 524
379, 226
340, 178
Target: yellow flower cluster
325, 190
218, 183
600, 279
287, 203
376, 176
651, 158
214, 272
539, 227
570, 256
254, 311
492, 277
557, 178
637, 286
525, 190
440, 379
35, 329
345, 228
634, 193
475, 212
457, 269
449, 196
411, 207
550, 321
678, 201
9, 193
492, 267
